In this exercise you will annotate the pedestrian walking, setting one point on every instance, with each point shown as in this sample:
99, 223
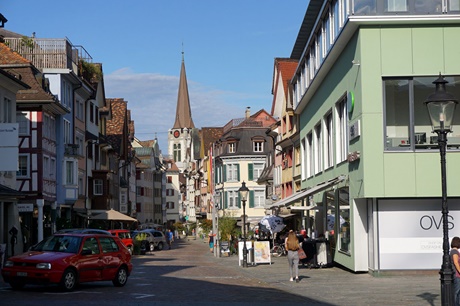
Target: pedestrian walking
170, 238
455, 255
292, 246
14, 238
211, 241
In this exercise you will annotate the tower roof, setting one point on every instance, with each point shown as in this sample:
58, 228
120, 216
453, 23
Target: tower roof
183, 112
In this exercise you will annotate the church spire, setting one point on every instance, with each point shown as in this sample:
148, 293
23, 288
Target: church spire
183, 112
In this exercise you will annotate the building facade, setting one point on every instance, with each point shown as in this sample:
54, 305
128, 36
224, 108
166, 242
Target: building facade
370, 165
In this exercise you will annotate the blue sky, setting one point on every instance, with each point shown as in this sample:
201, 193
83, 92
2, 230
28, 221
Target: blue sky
229, 49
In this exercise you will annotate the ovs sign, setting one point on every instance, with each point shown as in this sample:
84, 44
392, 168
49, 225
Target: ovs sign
431, 222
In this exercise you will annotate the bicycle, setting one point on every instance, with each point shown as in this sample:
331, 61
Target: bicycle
278, 249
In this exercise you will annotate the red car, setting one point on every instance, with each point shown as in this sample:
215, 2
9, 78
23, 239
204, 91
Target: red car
69, 259
125, 236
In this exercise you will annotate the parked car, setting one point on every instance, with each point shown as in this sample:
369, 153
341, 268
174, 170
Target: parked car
154, 226
83, 231
70, 259
150, 240
125, 237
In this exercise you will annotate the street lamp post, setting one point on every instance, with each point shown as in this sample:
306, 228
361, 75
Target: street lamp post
244, 196
441, 107
215, 224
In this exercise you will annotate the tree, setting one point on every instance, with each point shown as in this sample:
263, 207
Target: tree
206, 226
227, 228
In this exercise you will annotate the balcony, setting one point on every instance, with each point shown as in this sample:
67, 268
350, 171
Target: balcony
49, 53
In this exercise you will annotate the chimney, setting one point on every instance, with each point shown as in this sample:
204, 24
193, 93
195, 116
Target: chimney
248, 112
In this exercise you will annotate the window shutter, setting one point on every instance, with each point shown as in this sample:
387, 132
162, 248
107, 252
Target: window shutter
238, 172
251, 198
225, 200
224, 178
250, 172
239, 200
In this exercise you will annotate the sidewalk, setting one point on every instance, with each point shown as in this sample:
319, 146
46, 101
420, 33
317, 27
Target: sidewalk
336, 286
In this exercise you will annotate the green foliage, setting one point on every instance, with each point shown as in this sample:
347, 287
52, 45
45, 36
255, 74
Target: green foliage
89, 71
179, 226
206, 226
27, 42
227, 228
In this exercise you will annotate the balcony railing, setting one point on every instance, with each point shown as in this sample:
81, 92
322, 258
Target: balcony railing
49, 53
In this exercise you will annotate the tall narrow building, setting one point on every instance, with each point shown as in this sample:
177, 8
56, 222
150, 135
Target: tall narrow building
180, 136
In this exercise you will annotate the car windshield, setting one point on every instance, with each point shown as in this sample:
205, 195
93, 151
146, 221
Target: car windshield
65, 244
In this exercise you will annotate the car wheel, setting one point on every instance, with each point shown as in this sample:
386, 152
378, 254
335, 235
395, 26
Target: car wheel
160, 246
121, 278
69, 280
152, 247
17, 285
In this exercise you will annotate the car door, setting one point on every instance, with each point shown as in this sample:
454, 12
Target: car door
90, 264
111, 257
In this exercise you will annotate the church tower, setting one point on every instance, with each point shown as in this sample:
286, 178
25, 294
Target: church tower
180, 136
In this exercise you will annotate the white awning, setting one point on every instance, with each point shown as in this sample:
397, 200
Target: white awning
301, 208
305, 193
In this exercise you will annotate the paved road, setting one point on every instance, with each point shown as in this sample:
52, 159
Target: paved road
190, 275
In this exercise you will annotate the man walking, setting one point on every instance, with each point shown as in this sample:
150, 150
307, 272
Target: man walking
170, 238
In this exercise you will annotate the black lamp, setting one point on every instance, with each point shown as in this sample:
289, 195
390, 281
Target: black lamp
244, 196
441, 106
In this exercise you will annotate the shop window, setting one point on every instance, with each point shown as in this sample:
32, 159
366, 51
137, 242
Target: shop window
344, 233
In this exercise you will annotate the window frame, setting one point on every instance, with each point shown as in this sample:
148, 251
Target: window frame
98, 187
25, 158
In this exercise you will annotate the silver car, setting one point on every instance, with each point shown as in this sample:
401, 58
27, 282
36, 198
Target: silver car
150, 239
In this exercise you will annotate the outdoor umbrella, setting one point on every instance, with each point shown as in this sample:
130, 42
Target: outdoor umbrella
263, 228
112, 215
273, 223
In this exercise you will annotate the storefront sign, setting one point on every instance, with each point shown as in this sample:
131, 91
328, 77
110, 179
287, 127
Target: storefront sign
9, 147
411, 232
25, 207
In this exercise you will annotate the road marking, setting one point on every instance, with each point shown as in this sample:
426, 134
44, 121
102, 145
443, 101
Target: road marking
142, 295
73, 292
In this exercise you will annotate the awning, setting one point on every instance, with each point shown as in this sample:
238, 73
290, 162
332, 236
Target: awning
303, 208
305, 193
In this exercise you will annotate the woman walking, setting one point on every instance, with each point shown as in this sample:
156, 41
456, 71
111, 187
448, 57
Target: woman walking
292, 246
455, 255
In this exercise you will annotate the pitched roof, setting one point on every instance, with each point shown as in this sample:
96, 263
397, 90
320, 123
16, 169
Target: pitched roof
38, 94
183, 112
285, 69
209, 136
10, 57
115, 126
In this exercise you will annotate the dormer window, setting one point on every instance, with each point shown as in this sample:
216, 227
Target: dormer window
231, 147
258, 146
